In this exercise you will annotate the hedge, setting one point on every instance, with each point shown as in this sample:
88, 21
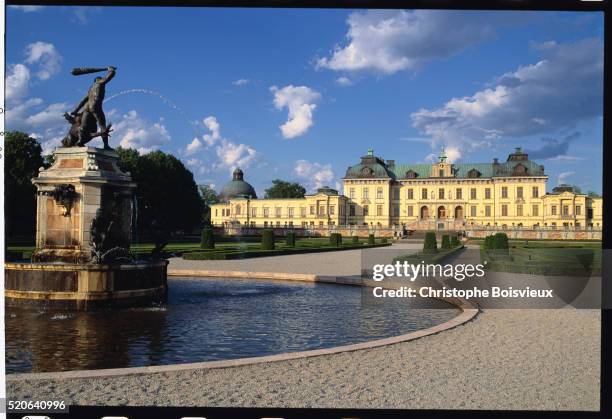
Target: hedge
208, 239
446, 242
371, 239
455, 242
290, 239
430, 245
267, 240
355, 239
335, 239
383, 240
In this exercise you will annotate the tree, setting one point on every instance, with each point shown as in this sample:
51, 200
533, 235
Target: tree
23, 156
593, 194
209, 196
282, 189
166, 191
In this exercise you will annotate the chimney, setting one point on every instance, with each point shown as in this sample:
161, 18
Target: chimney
390, 162
495, 161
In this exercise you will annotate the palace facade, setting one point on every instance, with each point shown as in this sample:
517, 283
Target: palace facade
384, 194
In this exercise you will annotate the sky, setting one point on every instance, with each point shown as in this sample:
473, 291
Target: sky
301, 94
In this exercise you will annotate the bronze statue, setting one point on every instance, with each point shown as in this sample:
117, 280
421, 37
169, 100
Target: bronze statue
85, 123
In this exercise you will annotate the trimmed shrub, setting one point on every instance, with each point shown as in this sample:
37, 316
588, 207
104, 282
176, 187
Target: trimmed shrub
371, 239
446, 242
290, 239
208, 239
335, 239
267, 240
488, 243
355, 240
455, 242
383, 240
501, 241
430, 245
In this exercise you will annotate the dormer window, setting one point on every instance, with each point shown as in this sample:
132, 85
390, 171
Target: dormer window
520, 170
472, 173
411, 174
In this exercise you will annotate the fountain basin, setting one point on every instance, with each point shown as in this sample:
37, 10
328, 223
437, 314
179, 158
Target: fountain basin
85, 286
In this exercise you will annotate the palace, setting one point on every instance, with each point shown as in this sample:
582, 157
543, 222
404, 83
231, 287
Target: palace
440, 195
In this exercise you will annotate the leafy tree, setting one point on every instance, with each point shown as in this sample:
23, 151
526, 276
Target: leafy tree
593, 194
282, 189
23, 156
166, 190
209, 196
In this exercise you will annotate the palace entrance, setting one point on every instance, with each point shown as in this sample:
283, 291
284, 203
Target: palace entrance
424, 213
459, 213
441, 213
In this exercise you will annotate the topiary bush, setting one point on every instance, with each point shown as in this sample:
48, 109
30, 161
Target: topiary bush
267, 240
290, 239
335, 239
446, 242
207, 240
455, 242
371, 239
501, 241
488, 243
430, 245
355, 240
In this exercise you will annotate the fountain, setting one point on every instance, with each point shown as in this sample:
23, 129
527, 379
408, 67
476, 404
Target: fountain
84, 225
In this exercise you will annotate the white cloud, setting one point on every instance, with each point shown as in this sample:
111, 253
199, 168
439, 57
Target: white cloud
51, 115
562, 177
213, 126
391, 41
344, 81
314, 175
27, 9
193, 147
82, 14
17, 82
46, 56
300, 102
241, 82
132, 131
232, 155
545, 98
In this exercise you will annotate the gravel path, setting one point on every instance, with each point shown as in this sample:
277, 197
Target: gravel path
503, 359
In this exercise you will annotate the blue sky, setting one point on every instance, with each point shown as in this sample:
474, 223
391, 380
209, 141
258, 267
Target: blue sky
301, 94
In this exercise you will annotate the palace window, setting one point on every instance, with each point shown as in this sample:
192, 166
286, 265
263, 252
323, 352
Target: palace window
321, 210
290, 211
459, 193
352, 210
519, 191
410, 194
441, 193
302, 212
424, 193
504, 210
352, 193
304, 224
277, 212
565, 209
578, 210
487, 193
473, 193
535, 192
396, 210
396, 194
487, 210
473, 211
535, 210
365, 210
553, 210
441, 172
504, 192
410, 210
216, 212
379, 193
519, 210
332, 209
266, 212
365, 193
253, 212
312, 210
238, 208
228, 212
379, 210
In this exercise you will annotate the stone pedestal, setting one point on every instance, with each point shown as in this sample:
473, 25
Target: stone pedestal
81, 182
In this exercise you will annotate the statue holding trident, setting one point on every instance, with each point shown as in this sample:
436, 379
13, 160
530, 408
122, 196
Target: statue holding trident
86, 122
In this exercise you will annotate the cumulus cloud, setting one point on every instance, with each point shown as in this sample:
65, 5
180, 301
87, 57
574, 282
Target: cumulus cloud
17, 82
386, 42
133, 131
46, 57
344, 81
562, 177
232, 155
314, 175
51, 115
300, 102
193, 147
213, 126
564, 87
241, 82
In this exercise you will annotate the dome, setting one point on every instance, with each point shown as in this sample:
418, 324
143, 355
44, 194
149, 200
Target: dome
237, 187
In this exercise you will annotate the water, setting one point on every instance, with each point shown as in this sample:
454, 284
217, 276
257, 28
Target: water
205, 320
